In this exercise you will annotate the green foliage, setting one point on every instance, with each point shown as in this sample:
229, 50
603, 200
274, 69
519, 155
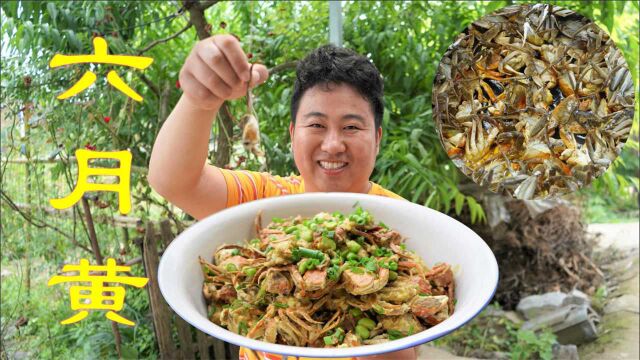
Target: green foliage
495, 333
529, 344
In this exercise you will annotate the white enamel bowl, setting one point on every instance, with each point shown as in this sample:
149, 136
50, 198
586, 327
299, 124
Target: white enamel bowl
433, 235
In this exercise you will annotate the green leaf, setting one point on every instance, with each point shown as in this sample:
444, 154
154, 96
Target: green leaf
459, 198
53, 12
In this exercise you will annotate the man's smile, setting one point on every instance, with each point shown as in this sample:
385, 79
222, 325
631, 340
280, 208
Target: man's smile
331, 167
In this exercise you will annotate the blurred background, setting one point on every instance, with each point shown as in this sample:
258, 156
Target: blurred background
542, 247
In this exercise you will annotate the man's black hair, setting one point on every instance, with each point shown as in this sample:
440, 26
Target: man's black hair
330, 64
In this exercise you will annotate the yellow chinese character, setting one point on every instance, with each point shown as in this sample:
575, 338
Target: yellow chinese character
123, 172
93, 297
101, 57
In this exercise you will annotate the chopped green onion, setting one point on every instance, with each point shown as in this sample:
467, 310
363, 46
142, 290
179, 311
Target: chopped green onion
383, 225
333, 273
329, 340
242, 328
357, 270
231, 267
327, 244
302, 266
371, 265
393, 275
290, 229
353, 246
280, 305
306, 234
395, 334
362, 332
235, 252
352, 256
277, 220
310, 253
355, 312
249, 271
379, 309
393, 265
367, 323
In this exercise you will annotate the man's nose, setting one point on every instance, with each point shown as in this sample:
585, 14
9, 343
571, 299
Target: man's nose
333, 143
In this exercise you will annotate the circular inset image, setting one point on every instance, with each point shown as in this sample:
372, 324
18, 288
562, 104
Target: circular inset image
534, 101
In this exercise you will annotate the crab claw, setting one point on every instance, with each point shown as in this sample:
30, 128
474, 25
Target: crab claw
433, 309
477, 145
364, 283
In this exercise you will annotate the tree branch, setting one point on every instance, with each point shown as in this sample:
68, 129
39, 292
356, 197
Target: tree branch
196, 16
207, 4
283, 67
160, 41
39, 223
134, 168
154, 88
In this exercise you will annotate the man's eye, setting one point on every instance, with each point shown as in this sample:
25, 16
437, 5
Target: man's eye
351, 127
317, 126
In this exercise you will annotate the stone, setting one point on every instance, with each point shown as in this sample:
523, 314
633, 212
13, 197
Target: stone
20, 355
565, 352
627, 302
577, 297
536, 305
572, 324
514, 317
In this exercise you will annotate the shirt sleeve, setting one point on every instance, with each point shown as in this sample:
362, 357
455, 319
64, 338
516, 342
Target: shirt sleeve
379, 190
244, 186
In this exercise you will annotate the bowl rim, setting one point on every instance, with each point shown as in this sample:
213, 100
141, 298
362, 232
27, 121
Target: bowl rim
318, 352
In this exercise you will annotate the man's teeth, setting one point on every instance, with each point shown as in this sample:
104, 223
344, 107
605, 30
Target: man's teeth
330, 165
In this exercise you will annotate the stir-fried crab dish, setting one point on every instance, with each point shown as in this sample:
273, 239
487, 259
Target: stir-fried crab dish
533, 101
332, 280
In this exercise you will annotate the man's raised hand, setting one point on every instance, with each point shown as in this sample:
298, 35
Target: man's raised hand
217, 70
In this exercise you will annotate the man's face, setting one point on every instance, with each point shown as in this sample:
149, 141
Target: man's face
334, 140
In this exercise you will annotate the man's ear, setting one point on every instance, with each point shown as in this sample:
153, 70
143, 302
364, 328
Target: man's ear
378, 138
291, 127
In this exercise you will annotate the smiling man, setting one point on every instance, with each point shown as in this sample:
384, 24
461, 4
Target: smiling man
336, 116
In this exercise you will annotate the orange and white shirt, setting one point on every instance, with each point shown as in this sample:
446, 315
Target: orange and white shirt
248, 354
244, 186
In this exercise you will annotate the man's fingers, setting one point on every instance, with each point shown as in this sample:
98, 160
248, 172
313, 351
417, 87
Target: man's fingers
259, 75
231, 49
196, 90
217, 62
205, 76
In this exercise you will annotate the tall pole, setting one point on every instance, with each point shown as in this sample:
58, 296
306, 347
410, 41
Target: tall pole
335, 23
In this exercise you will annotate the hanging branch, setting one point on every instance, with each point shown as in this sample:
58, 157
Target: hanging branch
161, 41
96, 251
283, 67
154, 88
39, 223
196, 17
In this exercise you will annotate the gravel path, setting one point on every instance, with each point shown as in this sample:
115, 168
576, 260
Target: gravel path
621, 319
